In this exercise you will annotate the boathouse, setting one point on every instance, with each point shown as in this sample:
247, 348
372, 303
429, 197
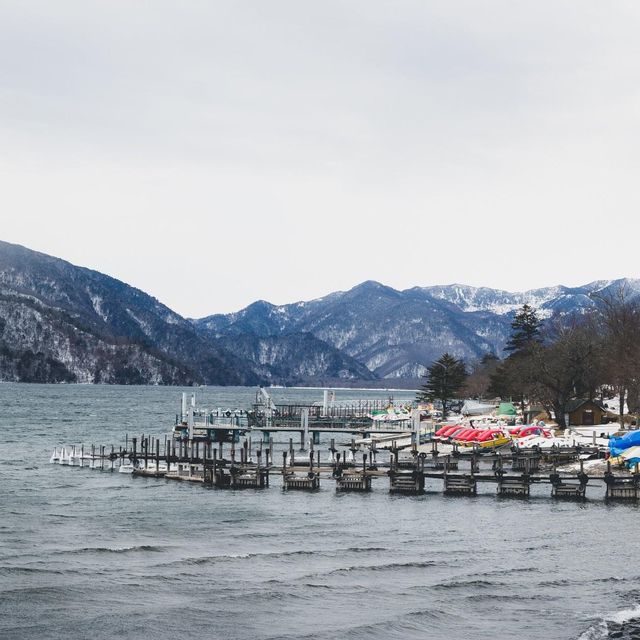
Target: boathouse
584, 412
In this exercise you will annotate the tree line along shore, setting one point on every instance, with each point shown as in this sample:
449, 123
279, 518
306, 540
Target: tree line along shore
593, 355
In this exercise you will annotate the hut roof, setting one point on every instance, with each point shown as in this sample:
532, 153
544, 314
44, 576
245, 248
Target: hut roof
573, 405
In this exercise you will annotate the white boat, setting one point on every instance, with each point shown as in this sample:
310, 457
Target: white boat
126, 467
74, 458
55, 457
599, 430
529, 442
475, 408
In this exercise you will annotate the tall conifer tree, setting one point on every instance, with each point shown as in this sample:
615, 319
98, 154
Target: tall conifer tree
445, 379
525, 330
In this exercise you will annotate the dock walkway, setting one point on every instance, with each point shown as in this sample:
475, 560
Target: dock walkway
407, 469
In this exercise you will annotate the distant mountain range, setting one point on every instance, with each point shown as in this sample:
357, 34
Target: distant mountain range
396, 334
62, 323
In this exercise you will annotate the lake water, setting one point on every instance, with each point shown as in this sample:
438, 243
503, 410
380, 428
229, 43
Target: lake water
89, 554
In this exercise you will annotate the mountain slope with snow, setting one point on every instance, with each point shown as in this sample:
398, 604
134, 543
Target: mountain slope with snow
397, 334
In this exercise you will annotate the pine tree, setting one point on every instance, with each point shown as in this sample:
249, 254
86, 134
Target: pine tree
445, 379
525, 330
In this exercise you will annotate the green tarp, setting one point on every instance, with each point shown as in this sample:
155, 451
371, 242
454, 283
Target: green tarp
506, 409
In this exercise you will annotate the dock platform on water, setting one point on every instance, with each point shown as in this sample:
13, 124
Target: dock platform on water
243, 466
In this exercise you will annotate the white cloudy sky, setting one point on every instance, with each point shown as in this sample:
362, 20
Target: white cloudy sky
216, 152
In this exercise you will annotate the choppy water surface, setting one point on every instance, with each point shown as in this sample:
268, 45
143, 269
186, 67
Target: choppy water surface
85, 554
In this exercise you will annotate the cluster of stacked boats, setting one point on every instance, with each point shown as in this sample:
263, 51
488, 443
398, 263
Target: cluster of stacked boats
491, 437
495, 436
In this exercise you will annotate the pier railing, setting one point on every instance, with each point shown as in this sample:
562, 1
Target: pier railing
290, 414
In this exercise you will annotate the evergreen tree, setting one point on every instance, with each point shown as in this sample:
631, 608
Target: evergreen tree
512, 378
445, 379
525, 330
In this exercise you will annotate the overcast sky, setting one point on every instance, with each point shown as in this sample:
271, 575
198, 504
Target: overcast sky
215, 152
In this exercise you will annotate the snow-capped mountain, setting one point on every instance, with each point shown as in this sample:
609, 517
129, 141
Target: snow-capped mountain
59, 322
547, 300
396, 334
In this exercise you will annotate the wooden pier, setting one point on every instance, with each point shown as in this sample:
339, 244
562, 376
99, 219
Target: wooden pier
460, 484
622, 488
244, 466
515, 486
310, 420
406, 475
349, 478
297, 478
569, 488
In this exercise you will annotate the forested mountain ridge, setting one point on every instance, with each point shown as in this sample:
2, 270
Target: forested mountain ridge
59, 322
63, 323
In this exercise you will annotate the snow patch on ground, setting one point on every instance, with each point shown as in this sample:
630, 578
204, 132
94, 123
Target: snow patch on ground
96, 302
141, 323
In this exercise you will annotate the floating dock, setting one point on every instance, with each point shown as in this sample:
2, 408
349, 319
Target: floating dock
245, 466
